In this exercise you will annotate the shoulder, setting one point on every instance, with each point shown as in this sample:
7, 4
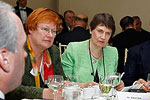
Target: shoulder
16, 7
29, 8
140, 46
117, 36
110, 49
76, 48
110, 53
78, 44
53, 48
54, 51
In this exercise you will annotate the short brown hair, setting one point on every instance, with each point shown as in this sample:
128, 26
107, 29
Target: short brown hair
103, 19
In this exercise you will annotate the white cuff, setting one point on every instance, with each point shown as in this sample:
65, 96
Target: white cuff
134, 83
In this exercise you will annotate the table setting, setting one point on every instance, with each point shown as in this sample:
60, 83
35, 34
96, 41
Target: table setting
105, 90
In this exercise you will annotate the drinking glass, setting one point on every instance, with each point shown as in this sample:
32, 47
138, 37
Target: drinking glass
55, 82
148, 80
71, 91
105, 86
115, 79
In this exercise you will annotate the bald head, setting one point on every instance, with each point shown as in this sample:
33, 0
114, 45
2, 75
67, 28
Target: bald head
81, 19
80, 15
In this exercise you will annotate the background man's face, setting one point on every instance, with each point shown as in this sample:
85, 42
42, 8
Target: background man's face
23, 3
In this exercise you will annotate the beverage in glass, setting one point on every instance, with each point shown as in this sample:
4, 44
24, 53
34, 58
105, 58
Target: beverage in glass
71, 91
54, 82
104, 86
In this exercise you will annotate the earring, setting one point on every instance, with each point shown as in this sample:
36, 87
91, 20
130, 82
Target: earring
5, 61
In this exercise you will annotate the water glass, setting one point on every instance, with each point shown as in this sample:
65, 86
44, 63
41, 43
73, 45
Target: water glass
55, 82
71, 91
115, 79
148, 80
104, 86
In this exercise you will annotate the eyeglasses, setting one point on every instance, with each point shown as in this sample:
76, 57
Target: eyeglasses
47, 30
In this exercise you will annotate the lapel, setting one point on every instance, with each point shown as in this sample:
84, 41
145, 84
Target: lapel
53, 57
17, 11
28, 11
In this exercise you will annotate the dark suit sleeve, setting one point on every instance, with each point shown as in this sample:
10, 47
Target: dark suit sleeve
131, 67
25, 92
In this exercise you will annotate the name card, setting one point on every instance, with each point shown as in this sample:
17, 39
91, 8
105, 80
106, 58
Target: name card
133, 96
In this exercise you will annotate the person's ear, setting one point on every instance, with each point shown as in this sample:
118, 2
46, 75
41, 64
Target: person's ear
4, 62
31, 31
90, 30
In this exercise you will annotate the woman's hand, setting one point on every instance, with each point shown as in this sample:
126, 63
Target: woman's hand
145, 85
49, 94
120, 86
85, 85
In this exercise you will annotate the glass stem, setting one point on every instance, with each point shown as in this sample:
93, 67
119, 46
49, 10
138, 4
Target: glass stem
113, 93
55, 91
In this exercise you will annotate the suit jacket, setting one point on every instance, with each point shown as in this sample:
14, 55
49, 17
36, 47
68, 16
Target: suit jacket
17, 11
28, 89
127, 39
138, 63
65, 28
78, 34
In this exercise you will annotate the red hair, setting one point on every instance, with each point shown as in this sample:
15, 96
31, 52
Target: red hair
40, 15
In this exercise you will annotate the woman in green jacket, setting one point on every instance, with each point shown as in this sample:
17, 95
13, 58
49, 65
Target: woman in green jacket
93, 58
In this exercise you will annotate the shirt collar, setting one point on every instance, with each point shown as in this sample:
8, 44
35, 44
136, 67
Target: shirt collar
2, 95
22, 8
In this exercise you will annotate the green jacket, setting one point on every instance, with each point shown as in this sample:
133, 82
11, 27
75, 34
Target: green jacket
27, 89
76, 61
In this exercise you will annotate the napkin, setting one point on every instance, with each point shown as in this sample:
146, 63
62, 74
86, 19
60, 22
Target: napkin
137, 86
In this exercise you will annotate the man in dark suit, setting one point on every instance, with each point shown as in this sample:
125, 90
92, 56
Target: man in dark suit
129, 37
22, 11
138, 65
79, 32
12, 53
138, 24
68, 21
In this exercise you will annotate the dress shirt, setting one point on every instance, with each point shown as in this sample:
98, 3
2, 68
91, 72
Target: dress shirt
23, 14
2, 97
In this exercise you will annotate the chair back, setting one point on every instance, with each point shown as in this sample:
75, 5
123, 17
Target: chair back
62, 48
125, 56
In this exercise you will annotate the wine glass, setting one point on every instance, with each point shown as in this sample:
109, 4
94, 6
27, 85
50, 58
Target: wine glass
148, 80
115, 79
104, 86
55, 82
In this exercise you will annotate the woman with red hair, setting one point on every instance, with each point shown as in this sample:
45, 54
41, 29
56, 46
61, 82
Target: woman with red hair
43, 57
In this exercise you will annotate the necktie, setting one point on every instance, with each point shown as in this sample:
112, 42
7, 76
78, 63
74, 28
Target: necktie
23, 9
96, 78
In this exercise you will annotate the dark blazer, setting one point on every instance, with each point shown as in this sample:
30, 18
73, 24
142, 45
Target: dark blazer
127, 39
65, 28
138, 63
78, 34
17, 11
28, 89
